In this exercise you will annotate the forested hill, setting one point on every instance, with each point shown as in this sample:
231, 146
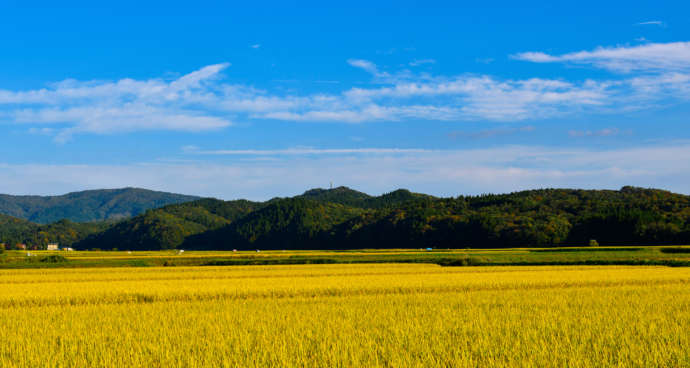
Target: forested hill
293, 223
15, 231
91, 205
353, 198
343, 218
280, 222
168, 227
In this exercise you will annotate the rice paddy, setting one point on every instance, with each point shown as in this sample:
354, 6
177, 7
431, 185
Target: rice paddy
368, 315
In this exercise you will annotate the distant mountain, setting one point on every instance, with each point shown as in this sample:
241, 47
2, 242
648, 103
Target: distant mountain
91, 205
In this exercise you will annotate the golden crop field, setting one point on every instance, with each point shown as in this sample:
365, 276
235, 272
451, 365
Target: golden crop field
397, 315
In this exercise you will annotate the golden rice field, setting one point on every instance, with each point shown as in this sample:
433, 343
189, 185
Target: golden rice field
392, 315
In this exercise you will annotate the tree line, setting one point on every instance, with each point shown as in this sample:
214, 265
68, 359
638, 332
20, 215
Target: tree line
342, 218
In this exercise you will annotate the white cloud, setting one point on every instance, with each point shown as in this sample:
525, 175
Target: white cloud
651, 23
202, 101
442, 172
123, 106
651, 57
366, 65
419, 62
483, 97
666, 85
370, 68
255, 46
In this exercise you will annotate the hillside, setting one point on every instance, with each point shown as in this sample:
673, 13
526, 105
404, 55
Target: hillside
353, 198
14, 231
86, 206
280, 223
342, 218
294, 223
401, 219
630, 216
340, 195
169, 226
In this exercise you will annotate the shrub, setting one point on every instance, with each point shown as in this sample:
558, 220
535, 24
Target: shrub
55, 258
593, 243
466, 261
675, 250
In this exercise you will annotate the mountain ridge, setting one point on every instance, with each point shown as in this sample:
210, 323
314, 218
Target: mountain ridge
343, 218
87, 205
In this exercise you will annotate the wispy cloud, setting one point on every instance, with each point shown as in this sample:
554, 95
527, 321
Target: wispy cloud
491, 133
651, 23
368, 67
607, 132
203, 101
651, 57
255, 46
440, 172
122, 106
419, 62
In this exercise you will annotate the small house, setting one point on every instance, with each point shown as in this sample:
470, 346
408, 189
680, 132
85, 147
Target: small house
52, 246
21, 246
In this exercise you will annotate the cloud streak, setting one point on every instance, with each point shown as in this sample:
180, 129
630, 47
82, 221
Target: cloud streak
607, 132
491, 133
123, 106
419, 62
203, 100
439, 172
651, 23
305, 151
651, 57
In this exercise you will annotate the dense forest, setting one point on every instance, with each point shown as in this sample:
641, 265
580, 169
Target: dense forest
342, 218
15, 231
168, 227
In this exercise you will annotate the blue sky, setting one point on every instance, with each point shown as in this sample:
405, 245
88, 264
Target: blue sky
238, 101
